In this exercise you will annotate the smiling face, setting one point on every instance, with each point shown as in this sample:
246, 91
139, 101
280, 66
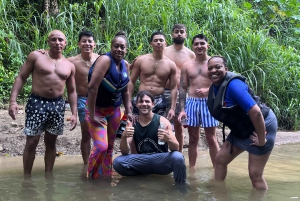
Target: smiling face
118, 48
87, 44
145, 105
57, 41
216, 70
200, 46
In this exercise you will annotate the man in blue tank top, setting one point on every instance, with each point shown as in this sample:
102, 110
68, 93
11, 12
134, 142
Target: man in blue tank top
141, 152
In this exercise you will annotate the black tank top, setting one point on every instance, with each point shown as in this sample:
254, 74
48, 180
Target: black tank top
145, 138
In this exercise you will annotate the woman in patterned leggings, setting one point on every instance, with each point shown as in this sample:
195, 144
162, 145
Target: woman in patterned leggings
107, 89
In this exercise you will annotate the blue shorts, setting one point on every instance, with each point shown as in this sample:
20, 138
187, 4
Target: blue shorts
197, 113
44, 114
81, 100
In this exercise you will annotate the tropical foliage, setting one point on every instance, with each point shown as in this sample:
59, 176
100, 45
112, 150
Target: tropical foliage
260, 38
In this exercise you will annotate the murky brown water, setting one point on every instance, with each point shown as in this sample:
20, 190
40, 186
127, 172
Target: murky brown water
67, 183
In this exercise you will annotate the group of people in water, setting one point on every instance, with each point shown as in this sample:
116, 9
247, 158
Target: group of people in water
97, 86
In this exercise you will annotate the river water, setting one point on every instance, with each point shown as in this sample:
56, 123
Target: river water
68, 182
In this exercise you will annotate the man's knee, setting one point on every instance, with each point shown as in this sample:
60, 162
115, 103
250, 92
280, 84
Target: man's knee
50, 140
86, 138
119, 165
212, 141
177, 157
32, 142
177, 125
85, 135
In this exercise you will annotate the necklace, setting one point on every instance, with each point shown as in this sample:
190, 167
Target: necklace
55, 62
88, 63
156, 63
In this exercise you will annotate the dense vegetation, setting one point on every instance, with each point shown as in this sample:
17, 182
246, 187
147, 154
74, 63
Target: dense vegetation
260, 38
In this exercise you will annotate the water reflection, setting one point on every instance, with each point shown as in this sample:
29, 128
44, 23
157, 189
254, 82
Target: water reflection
68, 181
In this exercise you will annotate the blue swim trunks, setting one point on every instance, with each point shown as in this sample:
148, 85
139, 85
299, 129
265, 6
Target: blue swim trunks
198, 114
44, 114
81, 100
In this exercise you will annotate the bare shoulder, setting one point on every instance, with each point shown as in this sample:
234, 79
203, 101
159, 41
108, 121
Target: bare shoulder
73, 58
189, 64
142, 58
67, 62
35, 55
168, 49
169, 61
190, 52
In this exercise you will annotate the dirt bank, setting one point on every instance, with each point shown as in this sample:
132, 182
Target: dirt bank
12, 139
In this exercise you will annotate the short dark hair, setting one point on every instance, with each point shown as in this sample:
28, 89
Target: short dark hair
179, 26
200, 36
141, 94
156, 33
219, 56
121, 34
85, 33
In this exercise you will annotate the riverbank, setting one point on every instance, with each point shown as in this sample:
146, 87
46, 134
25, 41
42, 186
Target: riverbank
12, 139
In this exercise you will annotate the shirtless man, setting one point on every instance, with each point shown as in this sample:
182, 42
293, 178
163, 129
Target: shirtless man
45, 107
83, 62
154, 70
194, 75
179, 54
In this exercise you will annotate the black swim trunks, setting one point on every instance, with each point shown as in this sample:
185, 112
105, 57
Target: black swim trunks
44, 114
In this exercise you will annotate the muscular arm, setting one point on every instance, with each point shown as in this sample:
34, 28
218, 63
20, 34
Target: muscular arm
133, 76
127, 140
100, 69
171, 139
126, 97
125, 144
24, 73
258, 123
183, 87
72, 96
173, 86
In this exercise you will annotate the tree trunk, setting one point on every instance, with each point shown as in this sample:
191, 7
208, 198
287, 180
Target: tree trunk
51, 7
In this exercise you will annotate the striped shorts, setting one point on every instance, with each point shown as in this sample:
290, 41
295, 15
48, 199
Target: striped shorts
197, 113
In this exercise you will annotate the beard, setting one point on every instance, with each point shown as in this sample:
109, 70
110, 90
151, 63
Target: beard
178, 41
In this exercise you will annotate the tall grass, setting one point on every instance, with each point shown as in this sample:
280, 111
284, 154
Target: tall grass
271, 66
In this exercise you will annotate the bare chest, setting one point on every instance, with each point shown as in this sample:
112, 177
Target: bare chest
197, 72
179, 58
51, 69
160, 70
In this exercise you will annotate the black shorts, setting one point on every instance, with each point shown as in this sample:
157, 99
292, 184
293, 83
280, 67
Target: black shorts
44, 114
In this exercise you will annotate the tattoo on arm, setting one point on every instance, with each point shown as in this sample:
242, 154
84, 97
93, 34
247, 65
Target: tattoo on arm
182, 93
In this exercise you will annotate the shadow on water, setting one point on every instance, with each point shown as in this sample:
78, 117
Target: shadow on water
68, 181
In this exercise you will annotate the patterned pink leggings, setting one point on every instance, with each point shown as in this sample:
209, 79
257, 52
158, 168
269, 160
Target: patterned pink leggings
100, 160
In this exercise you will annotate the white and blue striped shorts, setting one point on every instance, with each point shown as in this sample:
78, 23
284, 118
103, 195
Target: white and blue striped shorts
197, 113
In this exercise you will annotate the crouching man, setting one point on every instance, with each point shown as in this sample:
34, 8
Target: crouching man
148, 156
